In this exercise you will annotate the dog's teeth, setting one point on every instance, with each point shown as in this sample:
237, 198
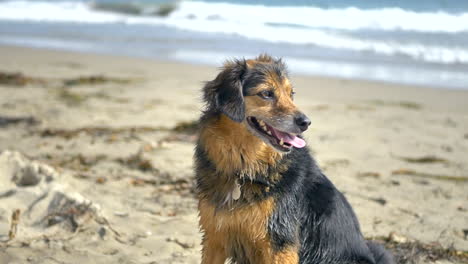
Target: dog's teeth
269, 132
261, 122
281, 142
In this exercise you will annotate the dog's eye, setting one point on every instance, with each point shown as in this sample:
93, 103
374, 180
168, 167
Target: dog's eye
266, 94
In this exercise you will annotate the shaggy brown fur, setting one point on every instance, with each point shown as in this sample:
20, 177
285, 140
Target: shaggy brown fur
254, 190
238, 153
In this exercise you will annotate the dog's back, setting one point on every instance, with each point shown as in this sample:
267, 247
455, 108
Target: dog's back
329, 229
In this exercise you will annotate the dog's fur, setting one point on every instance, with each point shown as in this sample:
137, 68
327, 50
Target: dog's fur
288, 211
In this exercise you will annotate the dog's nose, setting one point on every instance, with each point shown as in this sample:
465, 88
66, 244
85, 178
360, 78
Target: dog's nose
303, 122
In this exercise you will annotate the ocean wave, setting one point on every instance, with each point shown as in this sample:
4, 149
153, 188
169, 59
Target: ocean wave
350, 18
55, 12
295, 25
136, 8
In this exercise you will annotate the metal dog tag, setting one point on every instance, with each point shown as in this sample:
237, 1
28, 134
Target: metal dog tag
236, 192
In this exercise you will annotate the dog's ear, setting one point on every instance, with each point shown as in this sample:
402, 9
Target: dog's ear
225, 93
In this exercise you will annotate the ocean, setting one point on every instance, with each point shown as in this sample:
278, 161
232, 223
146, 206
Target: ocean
418, 42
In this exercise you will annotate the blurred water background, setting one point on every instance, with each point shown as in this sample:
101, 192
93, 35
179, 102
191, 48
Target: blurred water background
421, 42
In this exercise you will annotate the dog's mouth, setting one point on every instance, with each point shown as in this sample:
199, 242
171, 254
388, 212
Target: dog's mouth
280, 140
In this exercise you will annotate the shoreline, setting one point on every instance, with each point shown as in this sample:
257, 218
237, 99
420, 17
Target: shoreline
301, 67
6, 47
366, 89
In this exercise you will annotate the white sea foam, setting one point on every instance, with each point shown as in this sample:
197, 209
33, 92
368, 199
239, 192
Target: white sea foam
350, 18
54, 12
344, 19
296, 25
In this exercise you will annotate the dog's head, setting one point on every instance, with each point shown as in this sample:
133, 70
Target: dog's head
258, 94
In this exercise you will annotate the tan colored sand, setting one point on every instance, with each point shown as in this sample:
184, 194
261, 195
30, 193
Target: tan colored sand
360, 133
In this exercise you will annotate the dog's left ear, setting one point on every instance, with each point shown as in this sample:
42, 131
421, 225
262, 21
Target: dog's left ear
225, 93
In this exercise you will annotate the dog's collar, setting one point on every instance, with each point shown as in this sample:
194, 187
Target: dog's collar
236, 192
262, 182
254, 180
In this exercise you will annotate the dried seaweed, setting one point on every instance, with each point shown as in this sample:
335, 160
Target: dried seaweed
97, 131
403, 104
431, 176
184, 245
76, 162
93, 80
190, 127
368, 174
180, 186
185, 129
15, 218
379, 200
6, 121
409, 212
138, 162
18, 79
406, 251
141, 182
71, 98
423, 159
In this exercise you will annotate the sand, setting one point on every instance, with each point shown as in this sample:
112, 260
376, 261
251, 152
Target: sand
101, 167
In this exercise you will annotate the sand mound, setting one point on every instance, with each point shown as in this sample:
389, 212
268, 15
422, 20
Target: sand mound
42, 205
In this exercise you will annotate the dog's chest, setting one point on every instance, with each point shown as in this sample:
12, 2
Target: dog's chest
249, 222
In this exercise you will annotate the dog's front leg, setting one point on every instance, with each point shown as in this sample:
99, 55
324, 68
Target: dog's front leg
286, 256
213, 251
214, 241
265, 254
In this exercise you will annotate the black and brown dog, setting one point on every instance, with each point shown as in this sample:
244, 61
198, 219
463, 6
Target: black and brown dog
262, 198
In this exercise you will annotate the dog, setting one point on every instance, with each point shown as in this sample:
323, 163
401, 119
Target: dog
262, 198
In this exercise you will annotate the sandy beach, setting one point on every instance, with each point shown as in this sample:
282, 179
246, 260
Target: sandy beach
96, 154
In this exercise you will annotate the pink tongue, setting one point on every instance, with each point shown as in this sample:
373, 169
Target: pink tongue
288, 138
